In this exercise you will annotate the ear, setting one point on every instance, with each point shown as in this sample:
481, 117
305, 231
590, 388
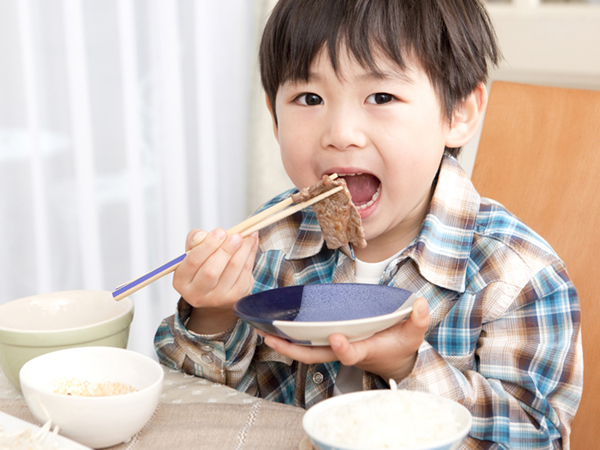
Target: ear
270, 108
467, 117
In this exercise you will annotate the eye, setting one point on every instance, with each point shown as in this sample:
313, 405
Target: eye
309, 99
380, 98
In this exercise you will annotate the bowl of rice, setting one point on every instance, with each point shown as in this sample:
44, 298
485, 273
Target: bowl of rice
96, 396
39, 324
387, 419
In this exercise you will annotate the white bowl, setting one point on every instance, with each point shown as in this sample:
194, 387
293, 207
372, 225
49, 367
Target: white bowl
342, 422
97, 422
39, 324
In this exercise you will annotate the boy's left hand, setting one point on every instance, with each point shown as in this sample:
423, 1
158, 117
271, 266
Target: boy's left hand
390, 353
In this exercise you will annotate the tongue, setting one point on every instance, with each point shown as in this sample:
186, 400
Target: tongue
362, 187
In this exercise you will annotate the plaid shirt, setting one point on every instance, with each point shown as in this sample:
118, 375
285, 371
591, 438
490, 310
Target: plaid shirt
504, 338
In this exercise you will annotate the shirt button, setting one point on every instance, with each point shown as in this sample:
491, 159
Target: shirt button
207, 359
318, 377
206, 348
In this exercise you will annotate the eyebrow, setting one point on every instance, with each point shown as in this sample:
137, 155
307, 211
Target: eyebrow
402, 76
295, 81
370, 75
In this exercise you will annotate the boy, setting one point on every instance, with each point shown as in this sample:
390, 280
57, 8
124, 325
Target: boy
384, 93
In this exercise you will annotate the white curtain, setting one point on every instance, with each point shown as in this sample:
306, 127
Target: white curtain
123, 125
266, 175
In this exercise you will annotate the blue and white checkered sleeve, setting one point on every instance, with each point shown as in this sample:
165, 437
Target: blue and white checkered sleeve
520, 374
223, 358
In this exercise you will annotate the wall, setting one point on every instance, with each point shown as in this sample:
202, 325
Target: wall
551, 44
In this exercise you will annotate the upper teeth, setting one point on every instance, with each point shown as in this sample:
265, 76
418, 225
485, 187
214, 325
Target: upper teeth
349, 174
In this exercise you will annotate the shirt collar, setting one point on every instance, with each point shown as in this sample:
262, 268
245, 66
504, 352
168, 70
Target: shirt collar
443, 247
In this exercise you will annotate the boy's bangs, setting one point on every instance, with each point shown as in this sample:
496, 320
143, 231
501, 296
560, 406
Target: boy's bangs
359, 31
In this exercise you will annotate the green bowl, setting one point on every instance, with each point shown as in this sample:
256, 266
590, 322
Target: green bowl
33, 326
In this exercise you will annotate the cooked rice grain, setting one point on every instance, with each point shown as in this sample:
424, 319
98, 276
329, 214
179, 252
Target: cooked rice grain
393, 420
83, 388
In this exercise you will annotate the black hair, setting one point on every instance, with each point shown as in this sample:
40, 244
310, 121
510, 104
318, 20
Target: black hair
452, 40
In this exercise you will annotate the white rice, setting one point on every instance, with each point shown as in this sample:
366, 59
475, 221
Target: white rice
394, 419
84, 388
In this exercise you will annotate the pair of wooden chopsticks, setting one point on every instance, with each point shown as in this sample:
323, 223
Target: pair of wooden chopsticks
247, 227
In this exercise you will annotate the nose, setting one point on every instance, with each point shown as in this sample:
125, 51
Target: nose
343, 129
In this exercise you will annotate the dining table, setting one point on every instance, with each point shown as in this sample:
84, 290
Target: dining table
194, 413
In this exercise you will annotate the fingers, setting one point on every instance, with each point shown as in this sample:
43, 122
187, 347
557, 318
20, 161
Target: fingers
419, 320
197, 256
216, 264
305, 354
194, 238
215, 270
236, 279
390, 352
347, 353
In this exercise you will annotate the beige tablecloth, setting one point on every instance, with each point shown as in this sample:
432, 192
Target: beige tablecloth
197, 414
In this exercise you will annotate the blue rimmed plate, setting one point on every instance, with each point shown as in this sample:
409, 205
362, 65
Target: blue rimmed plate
309, 314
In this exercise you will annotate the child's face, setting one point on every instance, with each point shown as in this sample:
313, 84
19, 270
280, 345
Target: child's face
390, 129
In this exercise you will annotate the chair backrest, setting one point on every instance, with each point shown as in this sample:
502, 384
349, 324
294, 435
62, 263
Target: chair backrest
539, 155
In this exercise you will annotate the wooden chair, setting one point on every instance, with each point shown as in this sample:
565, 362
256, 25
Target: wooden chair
539, 155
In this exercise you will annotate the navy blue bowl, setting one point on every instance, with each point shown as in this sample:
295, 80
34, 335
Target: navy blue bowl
309, 314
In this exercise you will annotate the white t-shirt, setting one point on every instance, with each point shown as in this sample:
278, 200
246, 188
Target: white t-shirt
349, 378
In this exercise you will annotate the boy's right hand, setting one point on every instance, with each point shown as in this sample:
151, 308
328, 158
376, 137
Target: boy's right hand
216, 273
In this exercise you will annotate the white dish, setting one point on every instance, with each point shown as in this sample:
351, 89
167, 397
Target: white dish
12, 424
308, 315
96, 421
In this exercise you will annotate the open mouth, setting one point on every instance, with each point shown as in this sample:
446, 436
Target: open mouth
364, 188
